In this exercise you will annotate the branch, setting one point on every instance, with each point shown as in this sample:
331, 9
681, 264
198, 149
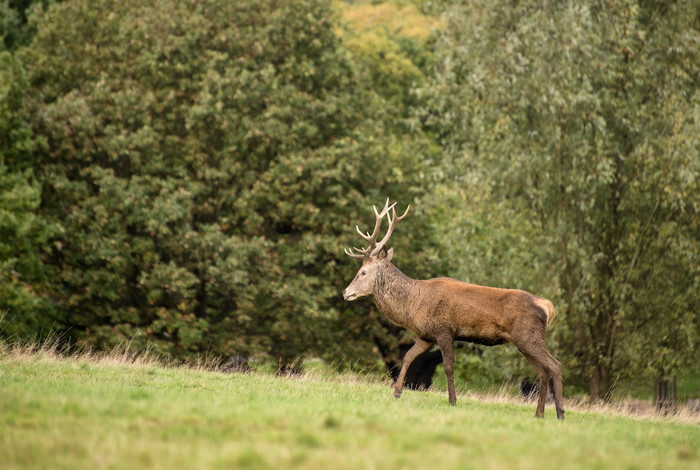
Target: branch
638, 249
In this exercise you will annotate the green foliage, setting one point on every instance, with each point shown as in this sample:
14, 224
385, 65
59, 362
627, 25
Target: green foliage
14, 30
571, 155
208, 162
24, 310
10, 26
388, 44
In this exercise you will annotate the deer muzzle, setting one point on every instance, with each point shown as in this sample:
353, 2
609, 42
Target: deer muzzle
349, 296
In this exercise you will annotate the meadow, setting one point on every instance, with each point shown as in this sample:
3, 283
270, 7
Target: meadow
124, 411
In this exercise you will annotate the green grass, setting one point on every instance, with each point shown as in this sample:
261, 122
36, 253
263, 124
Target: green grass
91, 412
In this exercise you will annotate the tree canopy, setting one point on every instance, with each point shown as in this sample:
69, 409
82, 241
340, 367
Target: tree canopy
204, 162
570, 133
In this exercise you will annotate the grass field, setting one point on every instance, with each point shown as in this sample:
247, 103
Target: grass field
114, 412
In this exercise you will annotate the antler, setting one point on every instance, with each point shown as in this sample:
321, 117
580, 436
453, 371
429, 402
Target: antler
374, 248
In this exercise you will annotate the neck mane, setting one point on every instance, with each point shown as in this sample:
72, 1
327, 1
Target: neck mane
394, 293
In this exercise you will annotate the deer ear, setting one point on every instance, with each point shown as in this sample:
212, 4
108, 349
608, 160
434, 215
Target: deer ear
389, 254
386, 254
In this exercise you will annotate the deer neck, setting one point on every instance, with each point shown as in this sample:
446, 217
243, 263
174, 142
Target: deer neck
394, 294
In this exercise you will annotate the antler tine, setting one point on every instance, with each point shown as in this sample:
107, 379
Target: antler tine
404, 214
392, 223
349, 252
385, 211
372, 239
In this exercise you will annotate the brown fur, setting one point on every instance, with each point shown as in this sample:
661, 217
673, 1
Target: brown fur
440, 311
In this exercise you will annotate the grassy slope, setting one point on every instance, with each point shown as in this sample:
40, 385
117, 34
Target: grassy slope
106, 414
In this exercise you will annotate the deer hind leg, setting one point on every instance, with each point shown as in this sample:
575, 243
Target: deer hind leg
554, 368
416, 350
546, 366
544, 382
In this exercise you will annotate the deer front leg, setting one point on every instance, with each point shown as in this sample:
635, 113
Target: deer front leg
416, 350
446, 344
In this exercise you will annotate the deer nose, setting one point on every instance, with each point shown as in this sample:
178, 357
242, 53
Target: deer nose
349, 296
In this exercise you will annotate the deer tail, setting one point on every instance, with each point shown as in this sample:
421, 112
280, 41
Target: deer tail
547, 307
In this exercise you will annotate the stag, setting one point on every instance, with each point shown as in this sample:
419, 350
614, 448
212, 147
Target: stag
442, 310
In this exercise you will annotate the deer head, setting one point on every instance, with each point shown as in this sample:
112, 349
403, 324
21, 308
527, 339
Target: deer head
374, 256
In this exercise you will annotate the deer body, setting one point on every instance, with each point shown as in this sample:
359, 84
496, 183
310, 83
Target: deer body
479, 314
442, 310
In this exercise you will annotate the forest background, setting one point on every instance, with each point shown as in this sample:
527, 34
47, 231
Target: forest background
182, 176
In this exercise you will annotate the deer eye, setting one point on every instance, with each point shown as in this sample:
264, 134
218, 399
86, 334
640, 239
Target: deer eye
363, 272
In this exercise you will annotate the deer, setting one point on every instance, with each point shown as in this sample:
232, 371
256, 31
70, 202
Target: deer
444, 310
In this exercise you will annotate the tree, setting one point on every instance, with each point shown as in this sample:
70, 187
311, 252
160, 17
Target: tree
571, 145
24, 307
207, 161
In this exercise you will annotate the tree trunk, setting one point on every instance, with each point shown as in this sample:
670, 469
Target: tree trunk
594, 387
665, 394
600, 384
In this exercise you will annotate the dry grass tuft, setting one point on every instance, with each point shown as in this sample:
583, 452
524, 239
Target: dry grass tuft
629, 407
52, 350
